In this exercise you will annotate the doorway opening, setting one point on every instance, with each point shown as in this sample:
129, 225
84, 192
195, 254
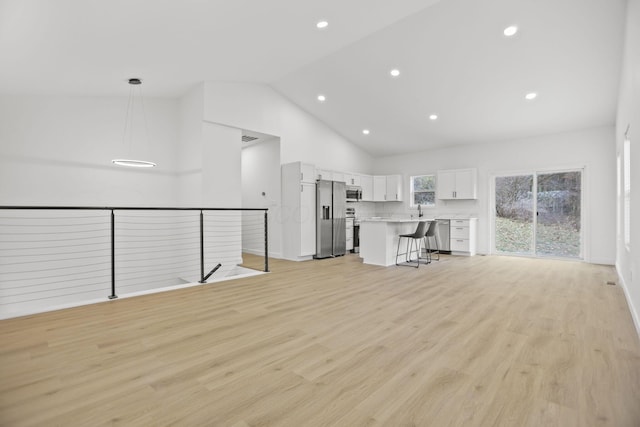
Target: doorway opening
538, 214
261, 188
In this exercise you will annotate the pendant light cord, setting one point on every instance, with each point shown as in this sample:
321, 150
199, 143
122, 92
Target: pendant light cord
130, 108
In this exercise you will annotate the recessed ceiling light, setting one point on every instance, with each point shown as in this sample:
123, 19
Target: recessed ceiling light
322, 98
365, 131
510, 31
433, 117
395, 72
322, 24
531, 95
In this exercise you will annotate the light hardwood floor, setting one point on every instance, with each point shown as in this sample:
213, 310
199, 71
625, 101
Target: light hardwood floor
481, 341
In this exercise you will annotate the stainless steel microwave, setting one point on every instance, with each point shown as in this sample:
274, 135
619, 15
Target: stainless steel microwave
354, 193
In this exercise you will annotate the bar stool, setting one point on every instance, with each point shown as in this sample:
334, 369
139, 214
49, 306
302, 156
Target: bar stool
417, 237
432, 232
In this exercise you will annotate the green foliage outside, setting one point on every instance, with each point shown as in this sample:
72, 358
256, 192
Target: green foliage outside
558, 213
516, 236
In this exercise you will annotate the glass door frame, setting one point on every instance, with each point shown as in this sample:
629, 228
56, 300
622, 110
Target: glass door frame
535, 172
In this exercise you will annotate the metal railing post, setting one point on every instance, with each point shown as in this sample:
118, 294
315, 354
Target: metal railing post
113, 256
266, 243
201, 245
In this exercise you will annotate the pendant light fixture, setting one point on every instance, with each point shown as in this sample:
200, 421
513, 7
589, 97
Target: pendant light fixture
128, 126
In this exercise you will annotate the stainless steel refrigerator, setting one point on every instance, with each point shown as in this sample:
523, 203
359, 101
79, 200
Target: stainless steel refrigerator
331, 233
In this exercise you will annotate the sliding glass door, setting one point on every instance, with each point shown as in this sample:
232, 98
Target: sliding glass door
514, 228
539, 214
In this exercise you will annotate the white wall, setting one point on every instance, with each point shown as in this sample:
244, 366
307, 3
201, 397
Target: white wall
221, 162
591, 148
57, 150
303, 138
261, 173
188, 149
208, 157
628, 259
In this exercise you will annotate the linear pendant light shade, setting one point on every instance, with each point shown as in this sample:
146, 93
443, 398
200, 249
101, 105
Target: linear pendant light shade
133, 163
128, 127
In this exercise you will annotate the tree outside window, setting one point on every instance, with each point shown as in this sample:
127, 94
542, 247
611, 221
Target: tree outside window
423, 190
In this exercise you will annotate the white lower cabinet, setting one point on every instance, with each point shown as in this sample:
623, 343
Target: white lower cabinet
349, 232
463, 236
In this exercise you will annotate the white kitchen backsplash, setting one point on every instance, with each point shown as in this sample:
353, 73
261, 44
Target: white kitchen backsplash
364, 209
443, 209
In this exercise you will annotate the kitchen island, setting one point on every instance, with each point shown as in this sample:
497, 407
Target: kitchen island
379, 238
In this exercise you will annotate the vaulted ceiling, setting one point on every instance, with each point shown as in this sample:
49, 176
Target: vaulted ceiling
453, 58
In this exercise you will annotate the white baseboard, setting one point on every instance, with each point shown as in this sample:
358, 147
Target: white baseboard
277, 255
634, 313
601, 261
301, 258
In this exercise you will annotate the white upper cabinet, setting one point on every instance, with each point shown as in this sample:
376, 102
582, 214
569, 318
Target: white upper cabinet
307, 173
446, 184
366, 182
379, 188
386, 188
301, 172
352, 179
394, 188
338, 176
467, 184
457, 184
324, 174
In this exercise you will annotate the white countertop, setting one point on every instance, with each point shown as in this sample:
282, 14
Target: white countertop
383, 219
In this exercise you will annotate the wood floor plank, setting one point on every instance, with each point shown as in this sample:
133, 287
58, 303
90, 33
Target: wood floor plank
466, 341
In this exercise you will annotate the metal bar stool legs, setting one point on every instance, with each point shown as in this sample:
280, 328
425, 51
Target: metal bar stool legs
432, 232
417, 237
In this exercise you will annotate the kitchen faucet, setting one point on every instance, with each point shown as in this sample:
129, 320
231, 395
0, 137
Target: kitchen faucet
419, 211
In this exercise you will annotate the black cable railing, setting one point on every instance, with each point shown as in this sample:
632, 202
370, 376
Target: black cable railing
63, 255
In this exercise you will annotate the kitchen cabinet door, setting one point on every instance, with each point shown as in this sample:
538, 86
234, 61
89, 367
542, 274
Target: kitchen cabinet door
446, 184
394, 188
379, 188
349, 234
366, 182
307, 173
307, 219
298, 212
348, 178
327, 175
338, 176
466, 184
457, 184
